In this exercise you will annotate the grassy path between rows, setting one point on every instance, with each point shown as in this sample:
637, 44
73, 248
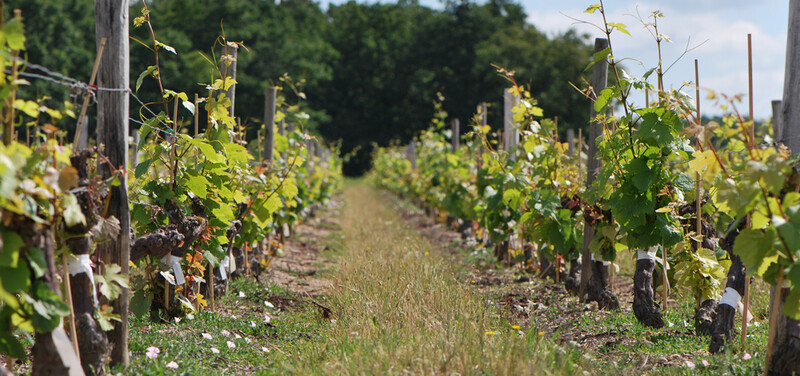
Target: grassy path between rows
400, 307
359, 291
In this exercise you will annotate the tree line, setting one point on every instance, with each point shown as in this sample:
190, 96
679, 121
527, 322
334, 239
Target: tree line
370, 72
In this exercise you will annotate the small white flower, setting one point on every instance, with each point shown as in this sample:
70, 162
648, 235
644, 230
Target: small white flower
264, 349
241, 294
268, 304
226, 333
231, 345
267, 319
172, 365
252, 324
152, 352
207, 336
690, 364
746, 356
177, 319
237, 336
705, 362
233, 317
215, 350
248, 340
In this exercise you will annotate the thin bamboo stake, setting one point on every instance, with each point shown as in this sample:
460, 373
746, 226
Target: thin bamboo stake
210, 288
79, 128
773, 319
664, 280
580, 160
697, 93
750, 86
68, 292
246, 261
744, 312
753, 140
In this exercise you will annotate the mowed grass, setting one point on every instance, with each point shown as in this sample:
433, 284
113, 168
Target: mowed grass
400, 308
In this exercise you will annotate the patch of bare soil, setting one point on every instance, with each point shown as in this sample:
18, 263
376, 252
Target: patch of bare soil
299, 265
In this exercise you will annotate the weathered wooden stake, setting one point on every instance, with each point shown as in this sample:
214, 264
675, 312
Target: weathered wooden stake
111, 22
455, 125
81, 127
73, 332
210, 288
599, 82
753, 140
750, 90
510, 132
777, 123
571, 141
790, 136
269, 123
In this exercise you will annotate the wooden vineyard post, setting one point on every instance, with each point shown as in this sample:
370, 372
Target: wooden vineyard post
510, 132
111, 22
455, 125
777, 123
484, 123
269, 124
781, 352
411, 153
599, 82
571, 141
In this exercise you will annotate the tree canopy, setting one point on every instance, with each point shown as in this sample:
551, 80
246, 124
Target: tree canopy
370, 72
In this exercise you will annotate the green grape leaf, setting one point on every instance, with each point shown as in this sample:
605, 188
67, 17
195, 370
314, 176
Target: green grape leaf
14, 33
791, 307
142, 167
144, 74
754, 247
198, 185
37, 261
9, 254
512, 198
641, 175
207, 150
603, 99
16, 279
140, 303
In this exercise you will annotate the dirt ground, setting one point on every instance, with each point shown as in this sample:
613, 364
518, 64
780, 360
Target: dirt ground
531, 302
299, 264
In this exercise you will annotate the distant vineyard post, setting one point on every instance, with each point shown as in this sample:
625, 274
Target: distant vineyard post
599, 82
111, 22
455, 125
269, 124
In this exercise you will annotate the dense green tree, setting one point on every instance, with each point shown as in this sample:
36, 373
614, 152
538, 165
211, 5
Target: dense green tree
371, 71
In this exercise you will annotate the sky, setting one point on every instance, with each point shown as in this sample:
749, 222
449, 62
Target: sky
717, 29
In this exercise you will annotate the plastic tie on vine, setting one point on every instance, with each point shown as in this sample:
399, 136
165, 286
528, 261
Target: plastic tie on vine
650, 254
174, 263
231, 263
222, 274
731, 297
83, 264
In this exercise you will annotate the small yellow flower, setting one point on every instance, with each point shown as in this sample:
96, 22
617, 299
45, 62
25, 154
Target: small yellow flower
515, 327
541, 334
490, 333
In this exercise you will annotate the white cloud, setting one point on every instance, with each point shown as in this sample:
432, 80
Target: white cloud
722, 25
